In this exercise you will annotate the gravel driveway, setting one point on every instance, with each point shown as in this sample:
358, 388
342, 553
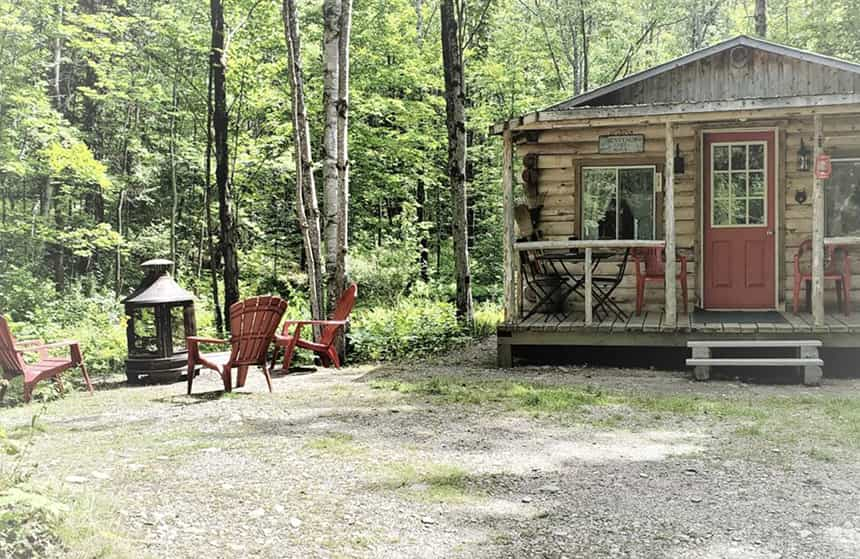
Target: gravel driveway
340, 464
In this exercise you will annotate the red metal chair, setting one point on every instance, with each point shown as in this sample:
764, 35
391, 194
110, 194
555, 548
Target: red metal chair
325, 347
13, 364
253, 323
836, 268
650, 266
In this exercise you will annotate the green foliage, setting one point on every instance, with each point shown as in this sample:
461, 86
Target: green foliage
413, 327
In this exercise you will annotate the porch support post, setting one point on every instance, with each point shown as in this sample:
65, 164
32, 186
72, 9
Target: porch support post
818, 232
589, 317
670, 318
510, 258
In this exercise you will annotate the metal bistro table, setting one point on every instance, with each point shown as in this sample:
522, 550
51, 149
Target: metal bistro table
559, 264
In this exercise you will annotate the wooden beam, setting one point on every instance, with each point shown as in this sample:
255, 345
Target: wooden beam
621, 243
709, 111
589, 319
669, 228
818, 231
511, 257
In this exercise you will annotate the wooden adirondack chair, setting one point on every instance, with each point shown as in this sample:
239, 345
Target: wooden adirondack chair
325, 347
253, 323
13, 364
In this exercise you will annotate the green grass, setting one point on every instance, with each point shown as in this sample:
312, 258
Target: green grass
429, 482
793, 421
340, 444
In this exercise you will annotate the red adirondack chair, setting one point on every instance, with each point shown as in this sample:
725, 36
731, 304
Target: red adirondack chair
325, 347
837, 268
253, 323
13, 364
651, 267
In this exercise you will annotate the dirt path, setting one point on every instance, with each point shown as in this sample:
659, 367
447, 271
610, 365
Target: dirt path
375, 462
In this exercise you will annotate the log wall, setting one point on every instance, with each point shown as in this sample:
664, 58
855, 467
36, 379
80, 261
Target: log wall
563, 152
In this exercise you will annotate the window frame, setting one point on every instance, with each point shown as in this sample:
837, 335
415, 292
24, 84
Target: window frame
835, 160
598, 167
764, 170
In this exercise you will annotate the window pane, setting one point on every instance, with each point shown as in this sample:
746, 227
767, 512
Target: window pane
842, 200
721, 185
739, 211
598, 204
739, 158
636, 191
721, 211
756, 184
757, 156
756, 210
177, 327
739, 184
721, 158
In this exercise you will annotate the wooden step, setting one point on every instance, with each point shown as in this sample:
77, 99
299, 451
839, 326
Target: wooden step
755, 362
743, 344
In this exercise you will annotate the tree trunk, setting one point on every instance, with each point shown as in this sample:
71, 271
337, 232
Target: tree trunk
207, 203
761, 18
331, 85
341, 271
455, 112
583, 25
306, 210
222, 175
173, 189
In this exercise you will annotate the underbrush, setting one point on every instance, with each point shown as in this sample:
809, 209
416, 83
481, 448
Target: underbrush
414, 328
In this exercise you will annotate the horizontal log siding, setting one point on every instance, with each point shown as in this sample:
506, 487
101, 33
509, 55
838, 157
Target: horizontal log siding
562, 151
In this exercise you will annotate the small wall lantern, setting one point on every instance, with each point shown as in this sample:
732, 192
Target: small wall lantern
803, 159
679, 161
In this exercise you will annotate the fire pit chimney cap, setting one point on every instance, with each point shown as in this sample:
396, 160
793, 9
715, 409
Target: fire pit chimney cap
158, 287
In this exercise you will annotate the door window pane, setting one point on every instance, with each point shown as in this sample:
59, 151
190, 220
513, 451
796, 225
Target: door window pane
756, 211
739, 185
739, 158
756, 160
618, 203
721, 158
842, 200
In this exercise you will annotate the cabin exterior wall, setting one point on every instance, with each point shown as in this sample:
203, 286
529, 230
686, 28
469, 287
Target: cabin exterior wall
562, 152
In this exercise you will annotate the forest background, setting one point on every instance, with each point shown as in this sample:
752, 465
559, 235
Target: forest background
105, 155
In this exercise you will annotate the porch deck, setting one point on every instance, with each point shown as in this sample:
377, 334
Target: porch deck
649, 329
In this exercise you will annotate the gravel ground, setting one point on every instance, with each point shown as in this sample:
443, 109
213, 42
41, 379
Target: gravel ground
328, 466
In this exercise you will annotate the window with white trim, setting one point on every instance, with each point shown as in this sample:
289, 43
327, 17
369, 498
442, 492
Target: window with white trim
618, 202
738, 180
842, 199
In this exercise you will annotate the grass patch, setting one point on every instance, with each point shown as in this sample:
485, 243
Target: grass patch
340, 444
794, 421
430, 482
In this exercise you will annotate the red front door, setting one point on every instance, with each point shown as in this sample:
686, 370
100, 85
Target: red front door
739, 215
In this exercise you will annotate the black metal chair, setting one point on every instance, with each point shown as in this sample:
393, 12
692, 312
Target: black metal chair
537, 280
604, 286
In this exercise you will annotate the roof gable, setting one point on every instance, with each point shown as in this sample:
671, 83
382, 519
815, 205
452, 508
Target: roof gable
739, 68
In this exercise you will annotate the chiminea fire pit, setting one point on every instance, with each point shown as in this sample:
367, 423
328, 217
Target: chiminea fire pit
160, 316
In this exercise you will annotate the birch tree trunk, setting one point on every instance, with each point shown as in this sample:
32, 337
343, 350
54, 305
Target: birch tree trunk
222, 173
174, 193
307, 211
341, 270
331, 179
455, 119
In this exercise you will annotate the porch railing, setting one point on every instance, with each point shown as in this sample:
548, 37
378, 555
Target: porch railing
588, 246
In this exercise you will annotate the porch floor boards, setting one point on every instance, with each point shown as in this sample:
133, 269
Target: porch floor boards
654, 322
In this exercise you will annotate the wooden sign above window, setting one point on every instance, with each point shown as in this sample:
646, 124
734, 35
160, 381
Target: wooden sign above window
629, 143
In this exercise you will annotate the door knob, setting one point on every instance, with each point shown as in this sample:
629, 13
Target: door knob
770, 233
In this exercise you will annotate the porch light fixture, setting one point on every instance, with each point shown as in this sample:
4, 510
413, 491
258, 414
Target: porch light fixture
803, 157
679, 161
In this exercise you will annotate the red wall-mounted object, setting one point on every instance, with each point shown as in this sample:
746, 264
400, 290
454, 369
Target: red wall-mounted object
823, 167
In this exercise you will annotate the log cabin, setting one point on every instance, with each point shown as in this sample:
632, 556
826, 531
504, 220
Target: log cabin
729, 176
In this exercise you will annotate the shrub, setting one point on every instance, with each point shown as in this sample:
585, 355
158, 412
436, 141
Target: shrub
409, 328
